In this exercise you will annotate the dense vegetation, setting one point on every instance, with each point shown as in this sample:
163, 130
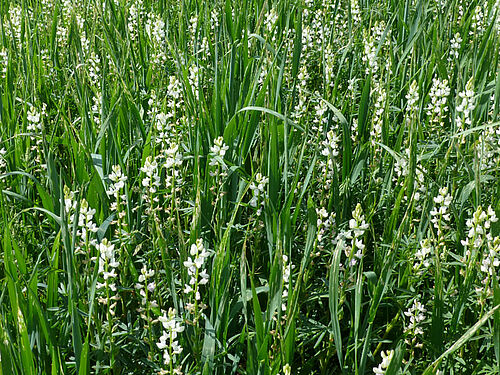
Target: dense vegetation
249, 187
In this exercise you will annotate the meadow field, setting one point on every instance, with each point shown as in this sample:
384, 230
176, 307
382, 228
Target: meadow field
254, 187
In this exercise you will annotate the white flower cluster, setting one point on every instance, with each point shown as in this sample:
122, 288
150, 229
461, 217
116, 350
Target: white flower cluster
378, 30
370, 55
118, 180
116, 189
329, 65
90, 59
416, 315
151, 181
270, 20
321, 119
324, 223
412, 97
491, 260
174, 89
135, 12
165, 123
69, 200
4, 61
85, 225
49, 70
287, 267
357, 229
172, 160
355, 13
163, 127
96, 108
466, 106
192, 29
479, 231
440, 212
265, 67
259, 194
3, 162
107, 270
354, 129
62, 34
401, 166
107, 258
145, 286
477, 24
331, 145
437, 107
455, 43
378, 114
489, 149
62, 30
313, 35
85, 217
441, 4
386, 360
214, 19
15, 17
307, 37
423, 254
35, 117
402, 169
168, 340
460, 14
420, 187
153, 109
197, 274
155, 29
194, 79
204, 50
193, 25
352, 88
170, 156
217, 153
371, 41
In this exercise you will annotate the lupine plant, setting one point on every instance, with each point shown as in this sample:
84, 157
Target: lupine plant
249, 187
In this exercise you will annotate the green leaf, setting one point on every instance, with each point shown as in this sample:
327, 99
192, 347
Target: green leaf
333, 299
432, 368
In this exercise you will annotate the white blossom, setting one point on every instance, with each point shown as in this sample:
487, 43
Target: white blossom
416, 315
259, 194
195, 268
386, 360
437, 107
168, 342
466, 106
217, 153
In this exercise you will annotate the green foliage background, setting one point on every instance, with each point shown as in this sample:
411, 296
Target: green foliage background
314, 96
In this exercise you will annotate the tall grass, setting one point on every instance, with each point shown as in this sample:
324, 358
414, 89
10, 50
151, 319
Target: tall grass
249, 187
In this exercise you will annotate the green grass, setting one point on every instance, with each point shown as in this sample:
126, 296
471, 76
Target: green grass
249, 187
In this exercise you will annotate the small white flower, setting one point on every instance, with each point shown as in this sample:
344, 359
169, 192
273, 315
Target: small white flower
204, 277
386, 360
151, 287
219, 148
412, 97
258, 187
